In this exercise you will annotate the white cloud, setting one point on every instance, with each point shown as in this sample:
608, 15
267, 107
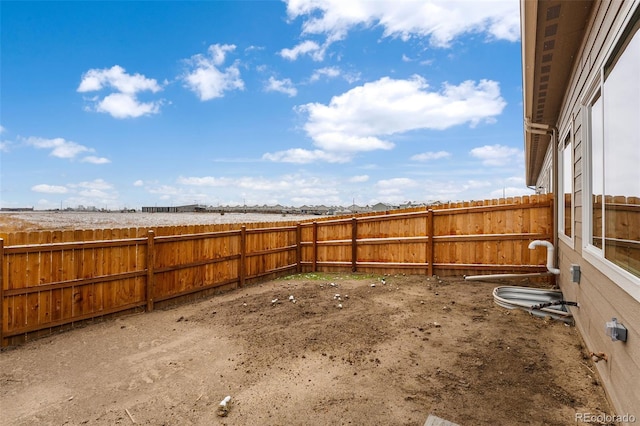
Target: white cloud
50, 189
517, 180
283, 86
511, 191
4, 146
95, 160
497, 155
441, 21
88, 193
204, 181
474, 184
117, 78
361, 119
359, 179
59, 147
252, 48
312, 48
426, 156
123, 103
395, 186
304, 156
205, 78
93, 193
62, 148
248, 183
333, 72
2, 130
138, 183
96, 184
291, 189
328, 72
165, 191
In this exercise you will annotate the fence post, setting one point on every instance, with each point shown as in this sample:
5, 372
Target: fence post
1, 292
151, 261
298, 248
243, 255
354, 244
430, 232
315, 247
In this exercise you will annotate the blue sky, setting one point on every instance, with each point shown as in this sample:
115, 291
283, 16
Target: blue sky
130, 104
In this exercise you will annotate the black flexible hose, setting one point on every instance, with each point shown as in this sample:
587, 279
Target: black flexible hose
547, 304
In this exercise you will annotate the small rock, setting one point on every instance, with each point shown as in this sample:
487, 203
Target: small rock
436, 324
223, 407
339, 305
373, 285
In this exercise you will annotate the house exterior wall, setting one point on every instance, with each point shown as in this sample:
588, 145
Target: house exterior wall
600, 296
544, 184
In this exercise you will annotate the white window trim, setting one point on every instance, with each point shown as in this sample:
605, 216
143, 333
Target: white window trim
567, 239
587, 202
622, 278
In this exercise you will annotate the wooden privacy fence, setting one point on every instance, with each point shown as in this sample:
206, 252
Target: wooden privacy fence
50, 286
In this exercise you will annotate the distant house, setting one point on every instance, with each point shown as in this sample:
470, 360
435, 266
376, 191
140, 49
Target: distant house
381, 207
581, 84
411, 205
16, 209
354, 208
158, 209
178, 209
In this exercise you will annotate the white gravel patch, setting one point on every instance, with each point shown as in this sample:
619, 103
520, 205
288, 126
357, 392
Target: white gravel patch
101, 220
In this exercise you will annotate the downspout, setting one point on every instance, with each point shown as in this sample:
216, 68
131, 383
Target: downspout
548, 130
556, 196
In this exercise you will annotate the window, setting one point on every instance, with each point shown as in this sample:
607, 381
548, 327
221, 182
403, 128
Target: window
566, 187
614, 139
595, 118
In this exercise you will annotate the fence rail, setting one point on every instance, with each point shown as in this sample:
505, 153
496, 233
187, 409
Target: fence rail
89, 274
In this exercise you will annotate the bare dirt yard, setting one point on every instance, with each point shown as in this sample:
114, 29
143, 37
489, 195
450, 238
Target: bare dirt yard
64, 220
394, 353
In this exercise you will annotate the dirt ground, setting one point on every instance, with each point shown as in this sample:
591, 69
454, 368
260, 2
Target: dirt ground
59, 221
394, 353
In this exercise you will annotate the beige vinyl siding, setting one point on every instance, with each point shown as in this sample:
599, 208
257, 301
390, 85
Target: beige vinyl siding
578, 180
599, 301
599, 297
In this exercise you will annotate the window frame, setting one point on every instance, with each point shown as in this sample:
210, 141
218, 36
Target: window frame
591, 253
566, 141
